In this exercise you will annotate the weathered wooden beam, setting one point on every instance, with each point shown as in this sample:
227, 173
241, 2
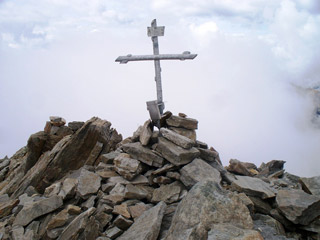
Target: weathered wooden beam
128, 58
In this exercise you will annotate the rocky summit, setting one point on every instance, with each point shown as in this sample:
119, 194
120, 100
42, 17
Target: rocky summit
83, 181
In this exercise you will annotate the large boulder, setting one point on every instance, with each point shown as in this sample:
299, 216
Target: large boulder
69, 154
206, 205
298, 206
147, 226
181, 122
311, 185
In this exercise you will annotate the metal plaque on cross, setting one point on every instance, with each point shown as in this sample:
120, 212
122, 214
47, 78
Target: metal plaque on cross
156, 108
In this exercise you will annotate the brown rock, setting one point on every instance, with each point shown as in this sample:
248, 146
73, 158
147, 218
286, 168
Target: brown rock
57, 121
177, 139
94, 154
122, 222
311, 185
138, 209
88, 183
7, 206
127, 167
228, 231
122, 210
146, 133
237, 167
167, 193
58, 220
191, 134
188, 123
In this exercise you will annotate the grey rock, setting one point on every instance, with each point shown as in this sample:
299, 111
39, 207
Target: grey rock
253, 187
260, 205
311, 185
168, 193
227, 232
177, 139
57, 121
147, 226
175, 154
237, 167
113, 232
32, 210
298, 206
146, 133
53, 189
89, 203
68, 188
163, 169
127, 167
314, 226
198, 170
17, 233
77, 225
138, 180
88, 183
108, 158
188, 123
143, 154
269, 227
271, 167
206, 205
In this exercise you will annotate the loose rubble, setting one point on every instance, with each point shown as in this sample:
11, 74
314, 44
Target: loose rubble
83, 181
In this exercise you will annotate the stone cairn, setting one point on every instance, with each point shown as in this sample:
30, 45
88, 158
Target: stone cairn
82, 181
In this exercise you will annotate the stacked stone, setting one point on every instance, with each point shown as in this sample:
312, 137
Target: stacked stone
154, 185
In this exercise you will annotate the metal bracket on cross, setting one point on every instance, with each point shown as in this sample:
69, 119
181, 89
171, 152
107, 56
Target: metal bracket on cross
156, 108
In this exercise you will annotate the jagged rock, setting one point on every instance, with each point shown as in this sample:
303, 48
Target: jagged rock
4, 163
253, 187
269, 227
134, 192
237, 167
196, 171
58, 220
89, 203
68, 188
36, 209
298, 206
138, 180
103, 218
227, 232
122, 222
167, 220
247, 201
162, 180
122, 210
271, 167
88, 183
105, 174
314, 226
311, 185
137, 209
173, 175
143, 154
77, 225
127, 167
69, 154
17, 233
188, 123
176, 138
113, 232
175, 154
167, 193
206, 205
209, 156
57, 121
7, 206
147, 226
96, 150
146, 133
75, 125
201, 145
52, 190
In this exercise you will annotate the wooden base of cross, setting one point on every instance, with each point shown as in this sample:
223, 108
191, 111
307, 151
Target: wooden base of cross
156, 108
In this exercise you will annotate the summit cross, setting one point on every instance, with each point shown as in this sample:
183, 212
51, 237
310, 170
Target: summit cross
156, 107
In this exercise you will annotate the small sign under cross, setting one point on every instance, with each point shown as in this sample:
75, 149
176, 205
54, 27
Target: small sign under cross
156, 107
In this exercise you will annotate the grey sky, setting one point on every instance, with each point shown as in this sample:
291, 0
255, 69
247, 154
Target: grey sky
245, 86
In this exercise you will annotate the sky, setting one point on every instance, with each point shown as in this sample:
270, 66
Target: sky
252, 86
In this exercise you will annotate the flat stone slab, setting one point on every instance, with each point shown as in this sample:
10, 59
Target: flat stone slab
146, 133
176, 154
188, 123
147, 226
177, 139
252, 187
143, 154
32, 210
298, 206
198, 170
311, 185
127, 167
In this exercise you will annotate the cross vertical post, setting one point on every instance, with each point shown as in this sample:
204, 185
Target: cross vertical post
157, 68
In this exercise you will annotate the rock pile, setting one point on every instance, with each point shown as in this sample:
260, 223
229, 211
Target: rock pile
82, 181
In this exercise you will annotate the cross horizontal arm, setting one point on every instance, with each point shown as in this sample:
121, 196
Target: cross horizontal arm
128, 58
